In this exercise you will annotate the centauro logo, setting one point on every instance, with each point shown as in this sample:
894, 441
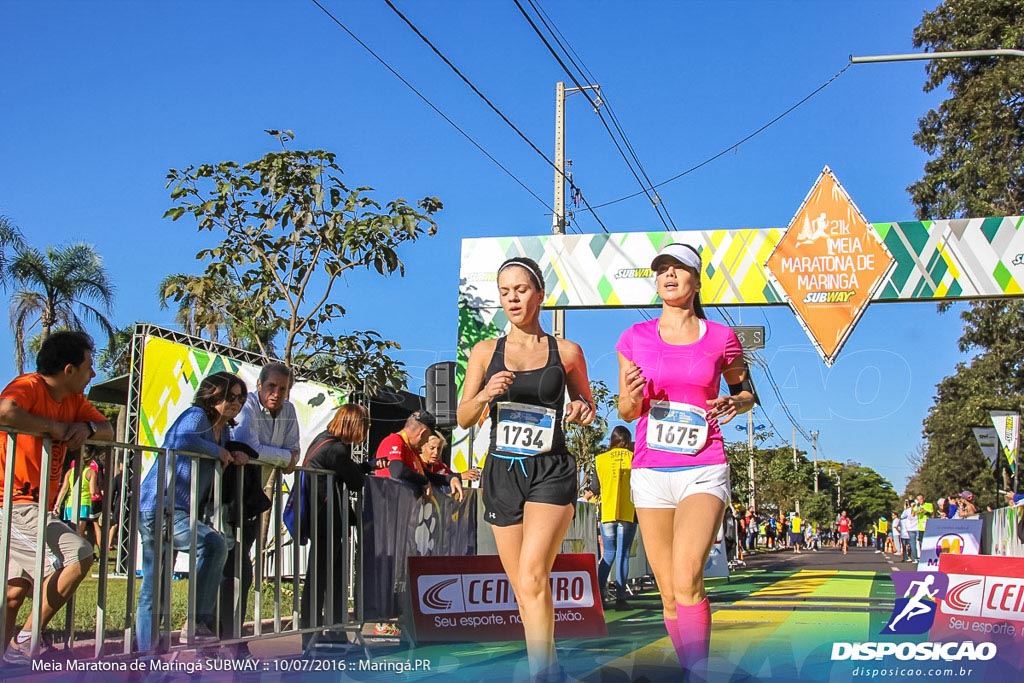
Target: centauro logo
955, 596
829, 297
454, 593
921, 652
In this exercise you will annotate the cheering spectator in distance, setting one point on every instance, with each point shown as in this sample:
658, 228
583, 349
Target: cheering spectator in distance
796, 532
618, 516
751, 525
881, 531
332, 450
436, 471
908, 531
202, 428
50, 401
967, 508
268, 424
923, 511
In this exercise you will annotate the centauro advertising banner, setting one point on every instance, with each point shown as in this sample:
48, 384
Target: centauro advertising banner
984, 603
470, 599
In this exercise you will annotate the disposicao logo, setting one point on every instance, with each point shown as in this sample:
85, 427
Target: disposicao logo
914, 612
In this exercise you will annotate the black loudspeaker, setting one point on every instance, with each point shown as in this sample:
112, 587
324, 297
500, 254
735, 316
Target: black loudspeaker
442, 395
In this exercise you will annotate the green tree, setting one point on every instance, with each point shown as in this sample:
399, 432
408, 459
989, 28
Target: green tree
975, 140
584, 441
975, 136
290, 230
63, 287
866, 495
212, 306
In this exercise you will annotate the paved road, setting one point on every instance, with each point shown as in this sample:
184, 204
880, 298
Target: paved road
856, 559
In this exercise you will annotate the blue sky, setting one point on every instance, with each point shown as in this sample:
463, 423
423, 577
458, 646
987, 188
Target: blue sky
101, 99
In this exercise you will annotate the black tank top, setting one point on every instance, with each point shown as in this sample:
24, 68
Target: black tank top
544, 386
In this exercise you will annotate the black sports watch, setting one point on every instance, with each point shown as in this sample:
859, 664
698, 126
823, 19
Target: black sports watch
92, 428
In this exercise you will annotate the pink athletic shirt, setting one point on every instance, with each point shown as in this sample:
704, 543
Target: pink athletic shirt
685, 373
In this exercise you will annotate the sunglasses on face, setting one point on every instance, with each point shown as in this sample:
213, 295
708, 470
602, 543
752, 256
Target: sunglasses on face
235, 398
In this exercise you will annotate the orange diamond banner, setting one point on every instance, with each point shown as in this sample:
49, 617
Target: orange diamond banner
829, 263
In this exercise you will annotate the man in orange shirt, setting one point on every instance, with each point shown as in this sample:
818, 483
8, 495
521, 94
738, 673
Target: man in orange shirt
398, 455
50, 401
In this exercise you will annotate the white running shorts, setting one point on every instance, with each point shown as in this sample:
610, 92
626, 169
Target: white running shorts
653, 489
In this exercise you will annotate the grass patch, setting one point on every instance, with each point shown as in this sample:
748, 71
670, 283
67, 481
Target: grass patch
87, 598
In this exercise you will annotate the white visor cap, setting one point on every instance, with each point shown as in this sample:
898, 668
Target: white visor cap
683, 253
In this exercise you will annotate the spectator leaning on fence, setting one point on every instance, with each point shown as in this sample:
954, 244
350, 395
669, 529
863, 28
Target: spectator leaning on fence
50, 401
202, 428
331, 450
268, 424
398, 454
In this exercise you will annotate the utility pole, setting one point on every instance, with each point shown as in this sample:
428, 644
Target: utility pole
750, 446
814, 439
795, 466
794, 448
558, 221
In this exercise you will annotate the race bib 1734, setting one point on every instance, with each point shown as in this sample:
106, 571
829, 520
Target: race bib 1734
524, 429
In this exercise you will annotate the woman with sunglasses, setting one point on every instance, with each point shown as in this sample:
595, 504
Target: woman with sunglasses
203, 428
670, 373
529, 483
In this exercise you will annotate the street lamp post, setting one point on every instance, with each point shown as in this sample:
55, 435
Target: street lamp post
956, 54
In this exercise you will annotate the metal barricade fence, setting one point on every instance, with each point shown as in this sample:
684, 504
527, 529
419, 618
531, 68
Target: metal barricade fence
336, 544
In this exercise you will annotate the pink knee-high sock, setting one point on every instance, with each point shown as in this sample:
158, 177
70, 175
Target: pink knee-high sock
693, 637
672, 626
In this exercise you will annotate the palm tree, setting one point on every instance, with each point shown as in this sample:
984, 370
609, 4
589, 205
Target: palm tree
61, 288
10, 236
212, 305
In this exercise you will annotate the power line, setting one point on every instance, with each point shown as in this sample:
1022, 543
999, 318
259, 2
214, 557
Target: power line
432, 105
577, 62
570, 53
734, 145
494, 108
582, 89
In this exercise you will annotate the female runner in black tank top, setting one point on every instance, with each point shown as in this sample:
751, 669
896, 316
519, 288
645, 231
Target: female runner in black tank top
529, 484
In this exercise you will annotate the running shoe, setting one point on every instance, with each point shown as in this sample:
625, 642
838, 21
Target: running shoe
16, 655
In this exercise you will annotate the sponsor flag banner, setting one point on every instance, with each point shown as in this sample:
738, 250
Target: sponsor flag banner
1007, 426
948, 537
988, 442
470, 599
984, 603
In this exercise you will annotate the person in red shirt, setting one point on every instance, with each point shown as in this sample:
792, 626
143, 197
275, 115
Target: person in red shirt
398, 455
843, 527
50, 401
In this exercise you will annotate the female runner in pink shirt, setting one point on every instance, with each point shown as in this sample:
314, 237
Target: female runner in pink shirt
670, 371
